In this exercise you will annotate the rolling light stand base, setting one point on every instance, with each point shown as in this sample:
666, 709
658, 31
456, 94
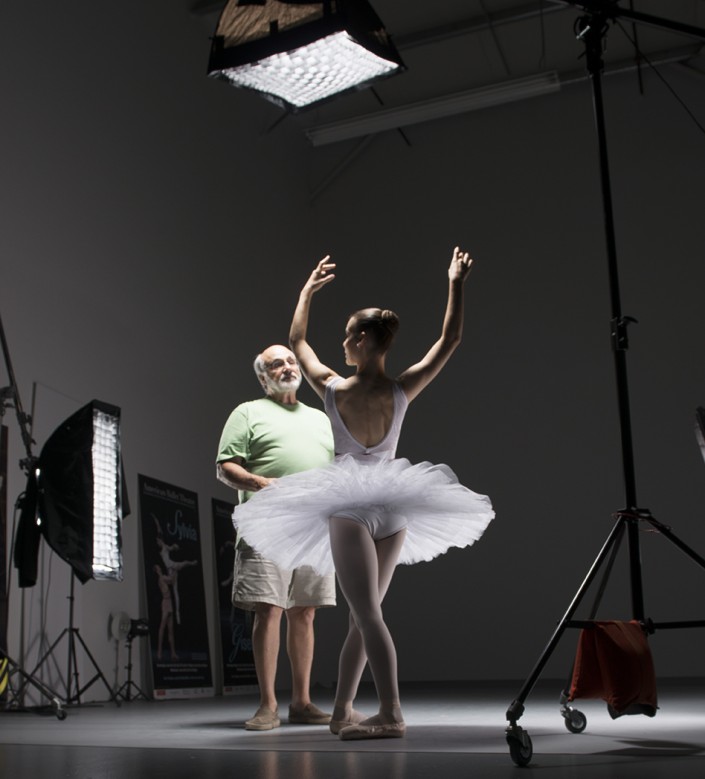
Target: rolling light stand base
518, 740
12, 703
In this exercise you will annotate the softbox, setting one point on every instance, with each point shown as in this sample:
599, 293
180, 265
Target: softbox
298, 53
76, 497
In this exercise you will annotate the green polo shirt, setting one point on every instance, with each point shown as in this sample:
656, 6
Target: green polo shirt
275, 439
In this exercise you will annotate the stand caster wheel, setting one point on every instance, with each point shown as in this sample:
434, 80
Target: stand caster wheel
575, 721
58, 709
521, 749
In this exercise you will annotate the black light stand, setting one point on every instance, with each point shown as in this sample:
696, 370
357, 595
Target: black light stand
138, 627
10, 397
74, 690
591, 29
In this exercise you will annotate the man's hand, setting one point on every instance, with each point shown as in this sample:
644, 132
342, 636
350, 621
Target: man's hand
235, 475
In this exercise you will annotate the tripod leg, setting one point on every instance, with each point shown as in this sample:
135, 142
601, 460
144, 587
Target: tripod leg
673, 538
606, 574
516, 709
98, 675
125, 691
49, 653
575, 721
11, 667
518, 740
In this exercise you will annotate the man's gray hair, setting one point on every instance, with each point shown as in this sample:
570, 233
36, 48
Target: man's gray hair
259, 365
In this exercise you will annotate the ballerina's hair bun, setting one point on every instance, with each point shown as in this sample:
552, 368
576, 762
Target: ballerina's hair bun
390, 320
381, 324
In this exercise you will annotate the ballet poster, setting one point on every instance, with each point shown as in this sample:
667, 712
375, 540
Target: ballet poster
176, 599
235, 624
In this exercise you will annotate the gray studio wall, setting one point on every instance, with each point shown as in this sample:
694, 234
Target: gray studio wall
526, 411
154, 236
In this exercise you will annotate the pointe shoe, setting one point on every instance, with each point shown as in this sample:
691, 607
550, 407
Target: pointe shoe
382, 730
336, 725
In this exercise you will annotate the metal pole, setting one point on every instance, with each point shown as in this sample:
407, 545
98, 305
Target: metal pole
592, 31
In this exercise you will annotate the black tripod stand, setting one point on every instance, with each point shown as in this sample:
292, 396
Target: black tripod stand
14, 696
138, 627
74, 690
591, 29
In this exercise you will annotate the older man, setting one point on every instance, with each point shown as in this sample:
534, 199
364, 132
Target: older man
262, 440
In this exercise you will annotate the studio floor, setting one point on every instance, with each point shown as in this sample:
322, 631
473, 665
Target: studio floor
454, 730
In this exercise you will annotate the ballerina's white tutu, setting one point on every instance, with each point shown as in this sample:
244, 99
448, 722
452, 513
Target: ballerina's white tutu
287, 522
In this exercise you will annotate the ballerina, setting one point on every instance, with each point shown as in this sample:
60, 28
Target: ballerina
368, 510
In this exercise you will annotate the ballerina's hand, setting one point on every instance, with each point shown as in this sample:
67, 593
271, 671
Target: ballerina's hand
460, 265
321, 275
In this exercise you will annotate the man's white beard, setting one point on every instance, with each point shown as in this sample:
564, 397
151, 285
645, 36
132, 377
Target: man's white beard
281, 386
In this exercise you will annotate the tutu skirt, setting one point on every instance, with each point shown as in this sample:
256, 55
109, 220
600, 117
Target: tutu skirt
287, 522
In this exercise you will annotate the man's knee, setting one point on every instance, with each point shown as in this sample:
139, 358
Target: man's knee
267, 613
301, 616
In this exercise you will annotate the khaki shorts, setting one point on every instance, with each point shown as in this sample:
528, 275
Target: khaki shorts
257, 580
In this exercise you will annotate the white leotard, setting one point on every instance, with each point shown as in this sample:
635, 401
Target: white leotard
346, 443
378, 519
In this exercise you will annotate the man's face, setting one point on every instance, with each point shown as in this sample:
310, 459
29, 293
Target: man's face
282, 373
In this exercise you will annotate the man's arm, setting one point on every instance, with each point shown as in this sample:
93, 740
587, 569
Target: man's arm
235, 475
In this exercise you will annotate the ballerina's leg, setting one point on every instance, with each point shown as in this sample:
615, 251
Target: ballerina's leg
364, 569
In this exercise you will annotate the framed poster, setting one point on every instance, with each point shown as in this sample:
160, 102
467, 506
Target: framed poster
235, 624
174, 586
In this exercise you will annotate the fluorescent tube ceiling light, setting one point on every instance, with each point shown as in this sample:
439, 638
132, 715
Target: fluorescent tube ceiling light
436, 108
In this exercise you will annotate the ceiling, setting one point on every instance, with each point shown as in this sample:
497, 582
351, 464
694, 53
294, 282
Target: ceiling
452, 46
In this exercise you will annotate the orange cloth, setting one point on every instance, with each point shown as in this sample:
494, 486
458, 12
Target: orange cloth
613, 662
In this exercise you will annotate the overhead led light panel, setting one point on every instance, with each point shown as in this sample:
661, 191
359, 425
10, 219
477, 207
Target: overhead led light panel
296, 53
314, 72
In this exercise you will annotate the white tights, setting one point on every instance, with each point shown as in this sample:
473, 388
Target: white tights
364, 568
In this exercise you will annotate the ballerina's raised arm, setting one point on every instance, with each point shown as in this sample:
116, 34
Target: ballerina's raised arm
421, 374
313, 369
